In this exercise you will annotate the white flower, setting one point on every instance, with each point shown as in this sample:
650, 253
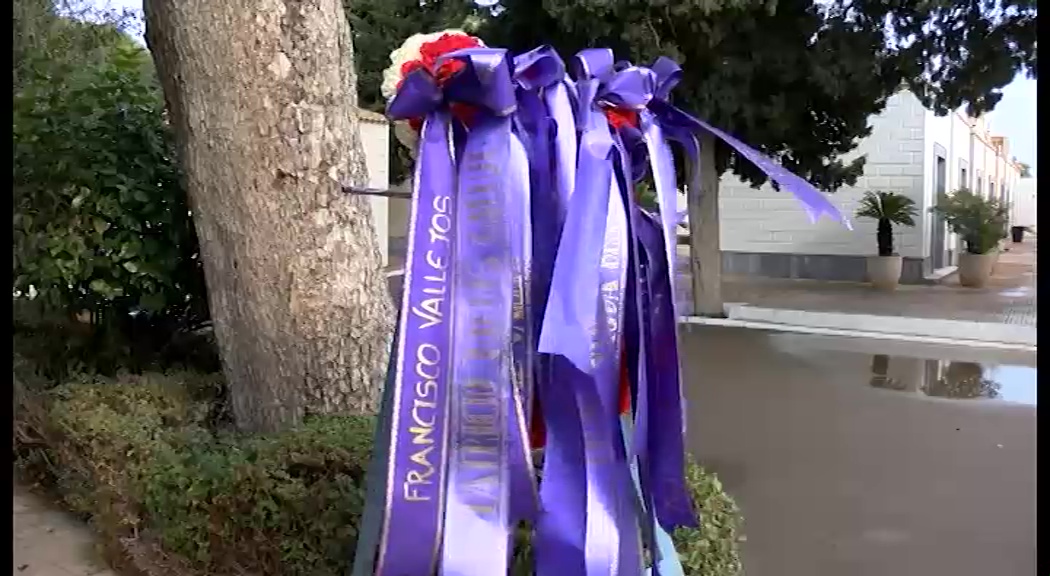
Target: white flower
409, 50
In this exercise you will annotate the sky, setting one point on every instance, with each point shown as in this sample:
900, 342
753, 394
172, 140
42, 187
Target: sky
1014, 116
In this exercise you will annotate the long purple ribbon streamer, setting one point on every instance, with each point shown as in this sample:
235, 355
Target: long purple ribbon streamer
585, 329
546, 113
489, 464
524, 491
477, 513
411, 534
637, 305
666, 445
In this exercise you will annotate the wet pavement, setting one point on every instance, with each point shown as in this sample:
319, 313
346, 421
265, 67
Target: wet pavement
1009, 298
867, 458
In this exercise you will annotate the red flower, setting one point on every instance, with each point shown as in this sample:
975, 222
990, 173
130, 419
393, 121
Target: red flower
429, 53
447, 70
620, 117
409, 67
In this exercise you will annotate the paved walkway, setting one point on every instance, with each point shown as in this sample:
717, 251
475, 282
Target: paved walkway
1009, 298
50, 542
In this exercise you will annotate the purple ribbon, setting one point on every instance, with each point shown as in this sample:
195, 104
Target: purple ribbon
548, 117
488, 456
414, 503
584, 316
524, 491
662, 447
570, 314
529, 266
683, 126
638, 356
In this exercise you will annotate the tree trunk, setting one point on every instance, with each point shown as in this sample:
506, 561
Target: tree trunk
262, 98
705, 254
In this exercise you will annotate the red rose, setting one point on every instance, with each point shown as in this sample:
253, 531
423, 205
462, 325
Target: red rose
429, 52
446, 43
620, 117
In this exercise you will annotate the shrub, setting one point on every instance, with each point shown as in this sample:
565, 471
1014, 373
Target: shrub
57, 347
887, 208
100, 220
981, 222
136, 456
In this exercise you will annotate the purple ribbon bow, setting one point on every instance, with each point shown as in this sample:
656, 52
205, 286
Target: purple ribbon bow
490, 468
458, 446
681, 126
410, 538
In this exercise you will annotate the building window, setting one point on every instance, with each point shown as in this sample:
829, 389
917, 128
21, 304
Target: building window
991, 189
963, 182
980, 183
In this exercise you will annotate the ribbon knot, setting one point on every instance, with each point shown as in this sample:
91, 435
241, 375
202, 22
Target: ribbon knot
483, 83
538, 68
609, 84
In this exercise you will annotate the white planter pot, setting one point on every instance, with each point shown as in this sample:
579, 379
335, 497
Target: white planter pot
884, 272
976, 269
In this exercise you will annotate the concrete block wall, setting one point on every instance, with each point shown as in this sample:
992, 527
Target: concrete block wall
770, 222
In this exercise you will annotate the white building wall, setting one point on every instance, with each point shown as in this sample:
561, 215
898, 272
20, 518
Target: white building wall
950, 135
767, 221
939, 135
375, 139
1023, 211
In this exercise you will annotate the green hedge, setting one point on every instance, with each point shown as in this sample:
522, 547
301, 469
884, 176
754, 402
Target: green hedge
135, 454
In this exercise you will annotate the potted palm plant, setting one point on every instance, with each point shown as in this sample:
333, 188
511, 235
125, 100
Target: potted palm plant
888, 208
981, 223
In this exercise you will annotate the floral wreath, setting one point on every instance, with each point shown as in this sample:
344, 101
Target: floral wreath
423, 51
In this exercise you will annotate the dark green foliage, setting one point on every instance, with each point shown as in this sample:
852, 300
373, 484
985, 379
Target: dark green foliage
100, 221
59, 347
379, 28
101, 224
712, 549
645, 195
981, 222
795, 78
139, 456
888, 208
50, 47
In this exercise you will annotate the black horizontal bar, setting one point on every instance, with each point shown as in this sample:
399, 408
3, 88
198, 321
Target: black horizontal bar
377, 192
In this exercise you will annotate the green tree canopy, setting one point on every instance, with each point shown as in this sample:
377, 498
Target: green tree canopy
795, 78
381, 26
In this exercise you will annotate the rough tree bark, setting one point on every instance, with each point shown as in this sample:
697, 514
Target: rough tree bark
262, 97
705, 253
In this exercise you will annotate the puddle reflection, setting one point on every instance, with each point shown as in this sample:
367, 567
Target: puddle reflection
954, 379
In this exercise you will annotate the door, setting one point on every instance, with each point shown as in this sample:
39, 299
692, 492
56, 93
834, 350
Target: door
939, 254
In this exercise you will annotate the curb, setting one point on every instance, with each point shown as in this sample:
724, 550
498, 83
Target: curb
927, 330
